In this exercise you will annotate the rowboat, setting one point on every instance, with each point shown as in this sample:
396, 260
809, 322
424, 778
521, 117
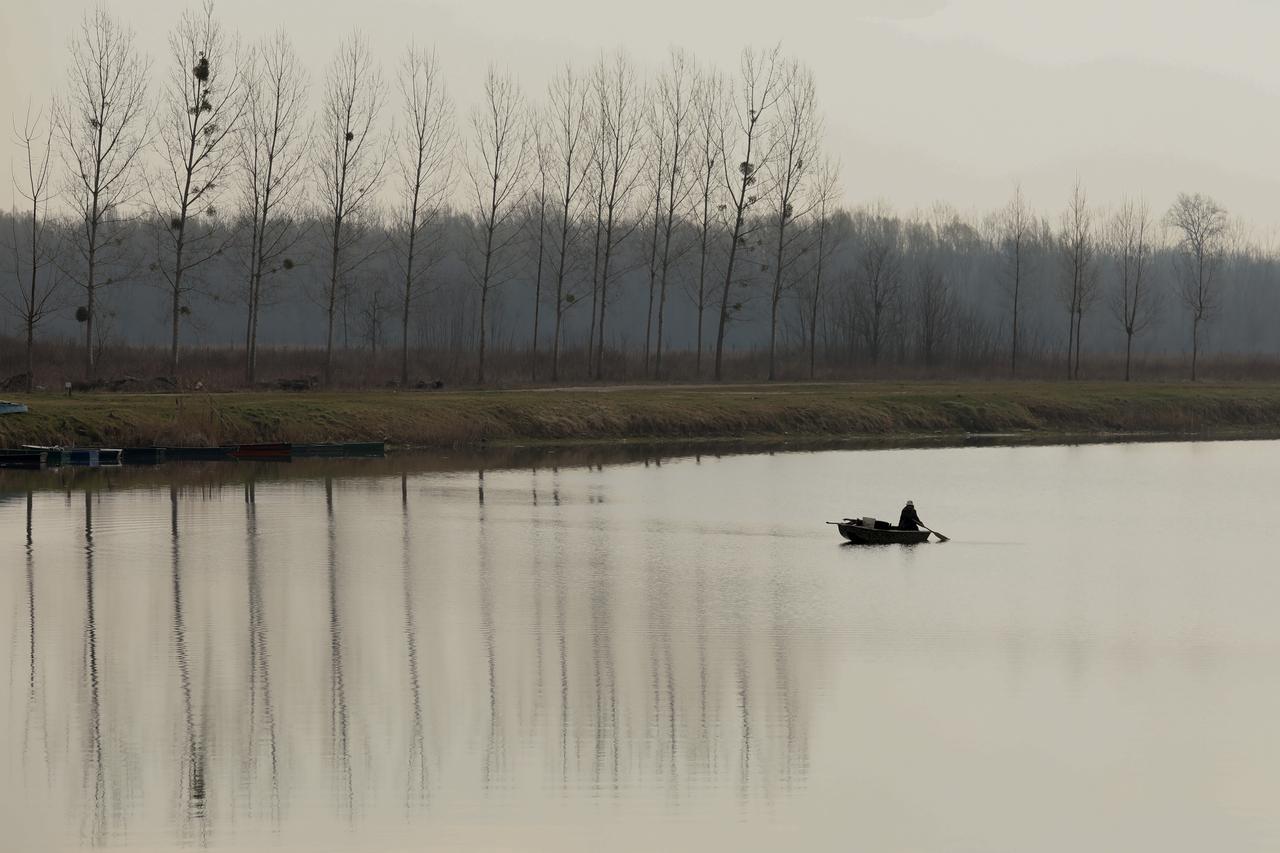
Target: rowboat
263, 452
9, 408
857, 531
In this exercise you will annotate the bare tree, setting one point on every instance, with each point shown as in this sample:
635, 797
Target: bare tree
425, 159
878, 281
710, 118
1078, 249
570, 158
351, 164
597, 193
1016, 234
747, 145
35, 274
273, 155
1201, 225
373, 312
826, 239
654, 148
496, 167
202, 103
1132, 300
102, 123
795, 141
677, 100
934, 310
535, 221
617, 91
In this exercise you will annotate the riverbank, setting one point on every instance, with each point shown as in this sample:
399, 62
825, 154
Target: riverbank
680, 413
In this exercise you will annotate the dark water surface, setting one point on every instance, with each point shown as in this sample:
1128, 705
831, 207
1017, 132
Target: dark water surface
604, 650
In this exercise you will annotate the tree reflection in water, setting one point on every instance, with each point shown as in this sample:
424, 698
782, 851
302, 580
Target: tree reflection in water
568, 657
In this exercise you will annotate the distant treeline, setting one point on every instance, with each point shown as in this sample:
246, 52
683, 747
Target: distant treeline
615, 226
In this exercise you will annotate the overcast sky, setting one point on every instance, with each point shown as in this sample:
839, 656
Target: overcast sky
926, 100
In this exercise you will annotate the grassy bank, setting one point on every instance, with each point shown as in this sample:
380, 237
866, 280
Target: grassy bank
436, 419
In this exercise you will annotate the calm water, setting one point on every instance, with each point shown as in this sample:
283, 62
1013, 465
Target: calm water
647, 655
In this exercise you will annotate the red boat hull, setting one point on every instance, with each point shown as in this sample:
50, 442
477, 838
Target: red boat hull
263, 452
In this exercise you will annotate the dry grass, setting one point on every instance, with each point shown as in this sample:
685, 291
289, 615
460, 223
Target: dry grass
644, 412
222, 368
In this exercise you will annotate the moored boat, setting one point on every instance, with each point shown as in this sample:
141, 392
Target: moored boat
90, 457
278, 452
142, 455
859, 532
82, 456
197, 454
54, 456
345, 448
22, 458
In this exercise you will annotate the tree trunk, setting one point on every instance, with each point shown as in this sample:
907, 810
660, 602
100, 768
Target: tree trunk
873, 342
604, 295
653, 280
404, 345
1013, 353
595, 289
1079, 340
537, 292
702, 302
662, 294
555, 346
560, 307
333, 304
31, 303
775, 296
90, 293
817, 297
88, 327
697, 358
248, 336
1195, 345
31, 345
1071, 340
250, 301
408, 294
256, 260
662, 307
1128, 354
813, 338
773, 336
253, 329
484, 302
173, 331
702, 269
728, 281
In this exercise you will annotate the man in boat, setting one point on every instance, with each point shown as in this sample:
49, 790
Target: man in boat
909, 520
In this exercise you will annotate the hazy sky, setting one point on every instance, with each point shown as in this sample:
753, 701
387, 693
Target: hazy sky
925, 99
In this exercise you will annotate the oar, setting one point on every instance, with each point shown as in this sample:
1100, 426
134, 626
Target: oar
941, 538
